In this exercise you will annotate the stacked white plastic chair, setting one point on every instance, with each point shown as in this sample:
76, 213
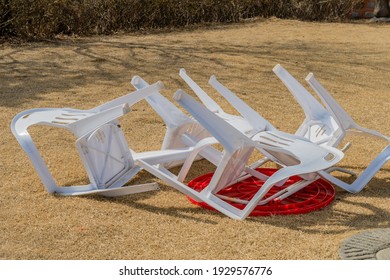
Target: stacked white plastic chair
326, 127
298, 156
329, 126
237, 134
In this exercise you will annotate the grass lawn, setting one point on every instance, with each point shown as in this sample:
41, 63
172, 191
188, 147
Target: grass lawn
351, 60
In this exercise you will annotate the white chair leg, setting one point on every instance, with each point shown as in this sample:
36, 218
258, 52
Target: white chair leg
114, 192
364, 177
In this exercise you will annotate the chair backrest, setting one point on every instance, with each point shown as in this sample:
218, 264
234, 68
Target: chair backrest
343, 123
319, 126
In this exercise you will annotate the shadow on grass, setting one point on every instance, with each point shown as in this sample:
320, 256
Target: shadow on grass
346, 213
136, 200
335, 221
28, 72
342, 215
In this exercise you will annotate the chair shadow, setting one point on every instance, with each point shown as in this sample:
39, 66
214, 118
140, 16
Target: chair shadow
135, 200
353, 215
329, 220
187, 213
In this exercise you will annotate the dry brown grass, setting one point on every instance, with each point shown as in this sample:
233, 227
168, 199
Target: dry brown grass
352, 61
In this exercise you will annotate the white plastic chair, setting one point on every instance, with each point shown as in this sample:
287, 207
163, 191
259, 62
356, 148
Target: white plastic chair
183, 131
345, 121
324, 126
348, 125
329, 126
249, 123
298, 155
107, 159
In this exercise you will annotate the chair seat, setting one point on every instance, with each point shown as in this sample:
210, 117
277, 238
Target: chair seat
300, 150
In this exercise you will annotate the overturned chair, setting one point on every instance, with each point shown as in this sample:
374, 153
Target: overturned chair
329, 125
102, 147
110, 163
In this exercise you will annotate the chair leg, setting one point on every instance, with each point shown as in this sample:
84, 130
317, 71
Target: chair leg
343, 170
209, 198
112, 192
278, 176
130, 190
365, 176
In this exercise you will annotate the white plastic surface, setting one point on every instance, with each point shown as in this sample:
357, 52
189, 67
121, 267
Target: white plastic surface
319, 125
182, 131
348, 125
329, 125
103, 149
237, 121
299, 156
